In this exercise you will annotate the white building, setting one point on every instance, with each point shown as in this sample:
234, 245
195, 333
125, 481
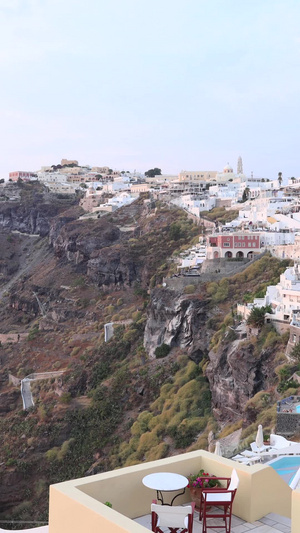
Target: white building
197, 175
284, 298
194, 206
122, 199
115, 186
280, 222
53, 177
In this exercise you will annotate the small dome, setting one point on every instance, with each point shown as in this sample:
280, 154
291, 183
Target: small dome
227, 168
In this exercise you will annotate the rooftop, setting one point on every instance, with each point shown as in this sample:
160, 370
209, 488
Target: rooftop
264, 503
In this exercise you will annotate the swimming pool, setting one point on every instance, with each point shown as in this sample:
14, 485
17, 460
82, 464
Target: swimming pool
298, 408
286, 467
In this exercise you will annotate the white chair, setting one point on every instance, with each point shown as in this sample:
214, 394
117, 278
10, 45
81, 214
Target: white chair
175, 517
247, 453
242, 459
256, 450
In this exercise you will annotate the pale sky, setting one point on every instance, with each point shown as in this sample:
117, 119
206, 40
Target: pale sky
137, 84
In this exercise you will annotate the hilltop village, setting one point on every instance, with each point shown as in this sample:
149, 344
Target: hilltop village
240, 217
257, 215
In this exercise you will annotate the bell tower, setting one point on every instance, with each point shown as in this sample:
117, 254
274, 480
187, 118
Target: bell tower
239, 165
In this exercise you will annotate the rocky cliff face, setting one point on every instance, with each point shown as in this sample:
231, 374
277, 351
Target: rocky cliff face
77, 240
235, 375
32, 220
235, 372
112, 266
176, 320
31, 210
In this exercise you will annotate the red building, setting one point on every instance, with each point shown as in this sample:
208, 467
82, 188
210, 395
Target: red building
22, 175
238, 245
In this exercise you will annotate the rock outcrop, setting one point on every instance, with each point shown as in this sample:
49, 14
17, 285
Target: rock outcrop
77, 240
32, 209
112, 266
236, 373
176, 320
31, 220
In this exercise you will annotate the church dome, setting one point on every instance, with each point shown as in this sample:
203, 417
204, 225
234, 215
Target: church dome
227, 169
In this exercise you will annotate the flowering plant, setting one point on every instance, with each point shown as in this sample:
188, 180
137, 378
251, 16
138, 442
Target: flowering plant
202, 480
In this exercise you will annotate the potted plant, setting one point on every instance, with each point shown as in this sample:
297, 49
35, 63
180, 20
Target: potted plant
199, 481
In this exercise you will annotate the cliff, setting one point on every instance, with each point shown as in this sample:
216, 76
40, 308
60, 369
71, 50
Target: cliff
176, 320
32, 209
236, 369
236, 373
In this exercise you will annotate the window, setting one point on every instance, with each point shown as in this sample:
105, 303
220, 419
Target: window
227, 244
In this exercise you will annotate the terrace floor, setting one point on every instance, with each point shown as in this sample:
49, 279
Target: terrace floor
272, 523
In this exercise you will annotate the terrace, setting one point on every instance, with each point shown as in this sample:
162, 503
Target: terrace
78, 505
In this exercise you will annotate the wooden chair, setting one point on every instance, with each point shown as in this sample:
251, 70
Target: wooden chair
221, 498
175, 517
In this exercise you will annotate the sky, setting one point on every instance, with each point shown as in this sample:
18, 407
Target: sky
137, 84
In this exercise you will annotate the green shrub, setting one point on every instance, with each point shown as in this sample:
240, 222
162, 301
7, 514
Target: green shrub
11, 462
130, 335
162, 351
51, 455
75, 351
65, 397
147, 441
136, 316
189, 289
33, 333
79, 282
157, 452
295, 353
141, 425
108, 504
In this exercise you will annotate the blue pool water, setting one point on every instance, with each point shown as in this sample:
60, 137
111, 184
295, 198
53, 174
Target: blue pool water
298, 408
286, 467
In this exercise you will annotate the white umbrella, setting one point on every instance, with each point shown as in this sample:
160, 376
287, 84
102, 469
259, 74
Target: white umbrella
218, 450
259, 437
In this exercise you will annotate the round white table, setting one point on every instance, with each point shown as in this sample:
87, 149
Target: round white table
166, 482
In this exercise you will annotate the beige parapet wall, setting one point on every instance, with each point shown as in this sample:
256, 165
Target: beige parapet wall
78, 505
296, 511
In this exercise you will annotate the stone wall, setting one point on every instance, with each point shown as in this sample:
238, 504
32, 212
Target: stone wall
288, 424
294, 338
280, 326
211, 270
